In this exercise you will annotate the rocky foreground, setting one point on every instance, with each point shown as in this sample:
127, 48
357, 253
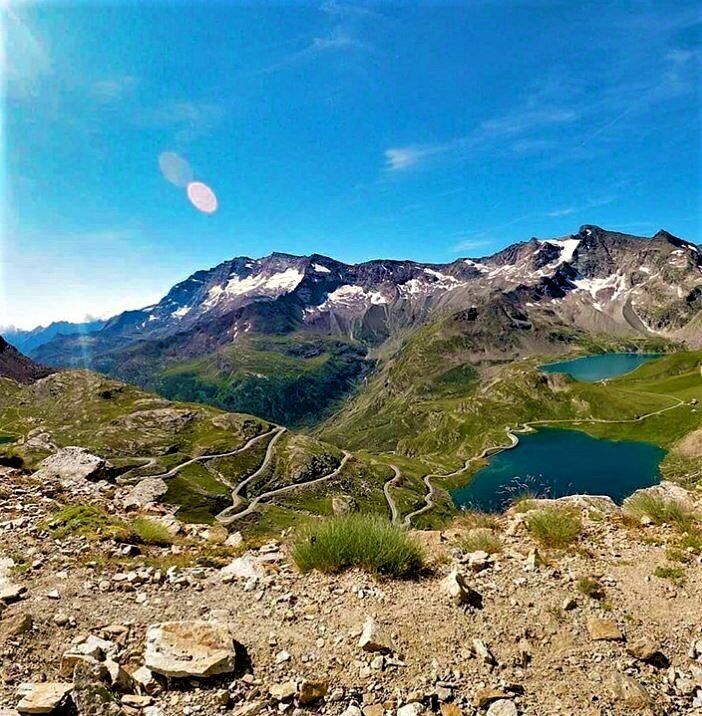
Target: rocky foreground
94, 621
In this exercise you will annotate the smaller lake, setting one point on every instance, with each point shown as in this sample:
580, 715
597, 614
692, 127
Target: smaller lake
554, 463
600, 366
6, 439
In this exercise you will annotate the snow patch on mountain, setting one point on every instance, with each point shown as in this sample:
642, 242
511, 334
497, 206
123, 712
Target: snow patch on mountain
276, 284
615, 282
349, 298
181, 312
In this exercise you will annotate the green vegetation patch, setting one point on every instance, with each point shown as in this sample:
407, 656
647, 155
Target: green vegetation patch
365, 541
151, 532
554, 527
87, 521
481, 540
661, 511
294, 380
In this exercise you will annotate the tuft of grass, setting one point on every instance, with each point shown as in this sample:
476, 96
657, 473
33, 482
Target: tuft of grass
482, 540
357, 540
556, 527
674, 574
87, 521
661, 511
590, 588
692, 541
148, 531
523, 502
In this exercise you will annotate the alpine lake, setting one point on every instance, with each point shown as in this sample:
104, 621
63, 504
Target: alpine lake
554, 462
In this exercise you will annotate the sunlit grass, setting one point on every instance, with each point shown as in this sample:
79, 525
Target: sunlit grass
365, 541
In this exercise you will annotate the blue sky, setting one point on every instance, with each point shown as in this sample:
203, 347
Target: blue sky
408, 130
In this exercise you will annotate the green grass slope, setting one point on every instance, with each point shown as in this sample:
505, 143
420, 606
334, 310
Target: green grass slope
293, 380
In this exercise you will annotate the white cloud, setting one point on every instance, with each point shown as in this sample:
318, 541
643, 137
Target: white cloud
24, 56
489, 134
402, 158
111, 90
188, 118
567, 211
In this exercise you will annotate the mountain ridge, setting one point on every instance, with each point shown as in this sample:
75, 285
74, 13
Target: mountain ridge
219, 335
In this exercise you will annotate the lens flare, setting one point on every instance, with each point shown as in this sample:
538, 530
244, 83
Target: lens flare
202, 197
175, 169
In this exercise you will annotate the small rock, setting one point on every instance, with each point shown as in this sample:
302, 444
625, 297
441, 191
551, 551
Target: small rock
603, 629
145, 681
372, 640
483, 652
312, 691
12, 628
486, 696
413, 709
629, 691
284, 691
246, 567
42, 698
533, 560
646, 649
460, 592
235, 539
450, 710
146, 492
197, 648
503, 707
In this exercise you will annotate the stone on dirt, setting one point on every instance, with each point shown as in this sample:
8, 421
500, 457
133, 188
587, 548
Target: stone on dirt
460, 592
74, 464
42, 698
372, 639
146, 492
603, 629
190, 648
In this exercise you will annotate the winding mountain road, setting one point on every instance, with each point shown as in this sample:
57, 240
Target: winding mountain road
226, 517
125, 480
392, 482
236, 493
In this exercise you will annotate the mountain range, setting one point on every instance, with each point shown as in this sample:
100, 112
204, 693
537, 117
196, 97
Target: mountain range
290, 337
29, 340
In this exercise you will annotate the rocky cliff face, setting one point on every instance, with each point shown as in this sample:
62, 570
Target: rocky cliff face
18, 367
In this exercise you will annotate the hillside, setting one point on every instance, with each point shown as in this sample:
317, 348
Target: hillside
291, 337
117, 612
16, 366
207, 461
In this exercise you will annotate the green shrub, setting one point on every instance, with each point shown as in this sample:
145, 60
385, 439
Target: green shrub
590, 588
481, 540
150, 532
692, 541
366, 541
661, 511
87, 521
674, 574
555, 527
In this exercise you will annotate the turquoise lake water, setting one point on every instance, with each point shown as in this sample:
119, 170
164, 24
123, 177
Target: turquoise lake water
554, 463
6, 439
601, 366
